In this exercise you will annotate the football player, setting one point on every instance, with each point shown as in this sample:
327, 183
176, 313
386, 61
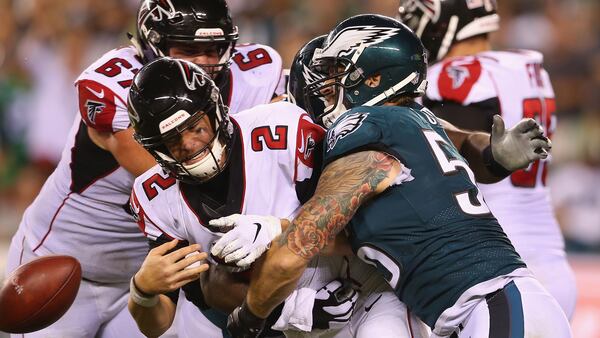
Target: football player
82, 210
210, 165
394, 180
469, 84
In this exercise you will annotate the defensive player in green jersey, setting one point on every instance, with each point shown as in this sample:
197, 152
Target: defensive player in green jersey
408, 199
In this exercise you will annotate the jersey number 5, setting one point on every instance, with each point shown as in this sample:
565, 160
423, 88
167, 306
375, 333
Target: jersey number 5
451, 167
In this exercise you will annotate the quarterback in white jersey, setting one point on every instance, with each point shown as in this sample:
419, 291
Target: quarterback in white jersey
258, 160
468, 84
83, 208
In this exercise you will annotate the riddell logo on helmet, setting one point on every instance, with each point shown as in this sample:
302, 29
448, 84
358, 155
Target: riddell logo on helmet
207, 32
173, 121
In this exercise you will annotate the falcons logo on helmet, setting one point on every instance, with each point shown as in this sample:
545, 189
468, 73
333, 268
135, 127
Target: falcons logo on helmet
93, 109
431, 8
192, 78
346, 125
354, 38
162, 8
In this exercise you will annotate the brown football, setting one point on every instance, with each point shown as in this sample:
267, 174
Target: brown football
38, 293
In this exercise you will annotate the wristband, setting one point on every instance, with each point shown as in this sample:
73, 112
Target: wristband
139, 297
490, 163
250, 320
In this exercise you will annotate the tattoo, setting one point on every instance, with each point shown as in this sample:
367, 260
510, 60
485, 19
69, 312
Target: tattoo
343, 187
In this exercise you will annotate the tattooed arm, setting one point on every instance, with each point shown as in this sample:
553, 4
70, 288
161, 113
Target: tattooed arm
344, 186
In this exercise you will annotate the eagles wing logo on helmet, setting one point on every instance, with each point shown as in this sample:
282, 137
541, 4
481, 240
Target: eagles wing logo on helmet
354, 38
192, 78
346, 126
310, 76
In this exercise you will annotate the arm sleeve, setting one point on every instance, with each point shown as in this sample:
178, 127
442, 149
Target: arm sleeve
100, 108
308, 157
475, 116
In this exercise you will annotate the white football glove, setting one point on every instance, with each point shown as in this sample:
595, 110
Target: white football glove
334, 305
517, 147
250, 237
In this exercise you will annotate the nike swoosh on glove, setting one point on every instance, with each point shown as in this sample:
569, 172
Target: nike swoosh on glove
334, 305
250, 237
517, 147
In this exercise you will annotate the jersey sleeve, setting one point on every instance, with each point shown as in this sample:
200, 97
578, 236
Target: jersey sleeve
151, 209
100, 108
102, 90
261, 66
308, 158
462, 92
354, 131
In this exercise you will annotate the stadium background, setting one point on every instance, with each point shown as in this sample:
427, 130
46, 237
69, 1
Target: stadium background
45, 44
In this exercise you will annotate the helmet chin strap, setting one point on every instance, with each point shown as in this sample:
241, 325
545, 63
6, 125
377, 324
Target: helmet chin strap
209, 165
392, 90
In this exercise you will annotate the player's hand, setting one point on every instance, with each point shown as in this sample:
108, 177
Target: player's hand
242, 323
515, 148
334, 304
250, 237
164, 272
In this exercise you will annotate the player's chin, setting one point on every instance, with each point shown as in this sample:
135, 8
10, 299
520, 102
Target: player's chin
201, 156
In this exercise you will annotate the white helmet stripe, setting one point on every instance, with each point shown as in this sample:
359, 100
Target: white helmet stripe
391, 91
485, 24
447, 41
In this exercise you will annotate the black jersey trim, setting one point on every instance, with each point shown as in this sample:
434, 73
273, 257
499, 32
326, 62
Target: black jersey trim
89, 163
475, 116
224, 194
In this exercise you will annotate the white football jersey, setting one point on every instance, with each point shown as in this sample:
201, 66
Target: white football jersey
274, 152
82, 209
522, 88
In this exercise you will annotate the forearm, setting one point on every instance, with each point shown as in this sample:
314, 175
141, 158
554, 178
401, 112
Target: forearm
344, 186
273, 279
473, 151
223, 290
472, 146
156, 320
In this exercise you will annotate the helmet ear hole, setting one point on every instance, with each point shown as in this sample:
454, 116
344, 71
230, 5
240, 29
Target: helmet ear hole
373, 81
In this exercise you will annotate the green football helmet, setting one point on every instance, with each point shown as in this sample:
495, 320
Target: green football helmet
355, 52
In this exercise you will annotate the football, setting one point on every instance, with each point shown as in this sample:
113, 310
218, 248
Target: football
38, 293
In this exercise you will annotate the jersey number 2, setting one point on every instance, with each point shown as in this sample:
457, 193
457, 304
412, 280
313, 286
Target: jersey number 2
451, 167
263, 134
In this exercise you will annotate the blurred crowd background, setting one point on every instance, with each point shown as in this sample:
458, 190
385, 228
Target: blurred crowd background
45, 44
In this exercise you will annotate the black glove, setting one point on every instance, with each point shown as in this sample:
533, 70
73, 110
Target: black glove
242, 323
334, 304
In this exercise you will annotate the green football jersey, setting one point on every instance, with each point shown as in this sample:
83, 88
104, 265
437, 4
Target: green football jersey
431, 236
